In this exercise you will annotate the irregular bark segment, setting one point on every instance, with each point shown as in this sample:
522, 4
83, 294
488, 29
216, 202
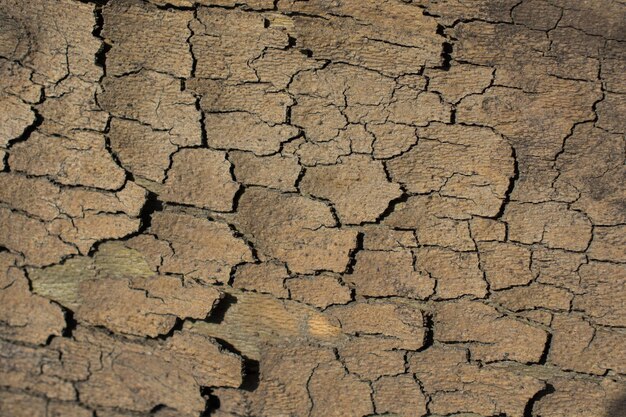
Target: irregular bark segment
200, 177
455, 384
551, 224
401, 322
577, 345
79, 160
143, 36
154, 99
339, 36
200, 248
489, 335
465, 162
357, 186
278, 223
384, 274
25, 317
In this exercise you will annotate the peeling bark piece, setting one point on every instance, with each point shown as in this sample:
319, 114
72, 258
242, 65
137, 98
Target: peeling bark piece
16, 82
209, 362
609, 112
487, 230
84, 232
246, 132
23, 405
578, 346
575, 397
505, 264
79, 216
200, 177
454, 384
79, 160
489, 335
603, 293
608, 244
320, 153
143, 306
154, 374
558, 268
464, 162
459, 81
333, 389
25, 317
551, 224
279, 225
371, 357
264, 278
30, 238
71, 106
437, 221
400, 39
201, 249
284, 375
330, 98
535, 123
596, 192
134, 27
15, 117
254, 98
47, 201
357, 186
276, 171
319, 290
418, 108
218, 32
254, 322
401, 322
22, 368
534, 296
598, 19
455, 273
537, 14
154, 99
141, 150
53, 38
384, 274
378, 237
387, 391
391, 139
277, 67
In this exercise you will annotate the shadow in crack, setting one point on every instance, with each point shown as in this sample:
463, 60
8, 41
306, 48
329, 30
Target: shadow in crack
618, 408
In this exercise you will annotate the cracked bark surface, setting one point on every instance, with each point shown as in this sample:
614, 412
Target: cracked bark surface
312, 208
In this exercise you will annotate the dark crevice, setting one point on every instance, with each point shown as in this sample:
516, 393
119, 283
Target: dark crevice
251, 374
177, 327
446, 56
250, 367
358, 247
546, 350
212, 402
219, 311
70, 321
512, 182
404, 197
100, 57
28, 131
528, 410
429, 335
307, 52
151, 206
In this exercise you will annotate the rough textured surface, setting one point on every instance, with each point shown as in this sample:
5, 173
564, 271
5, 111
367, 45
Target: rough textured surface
292, 208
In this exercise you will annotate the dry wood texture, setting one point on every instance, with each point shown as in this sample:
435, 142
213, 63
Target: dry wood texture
313, 208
